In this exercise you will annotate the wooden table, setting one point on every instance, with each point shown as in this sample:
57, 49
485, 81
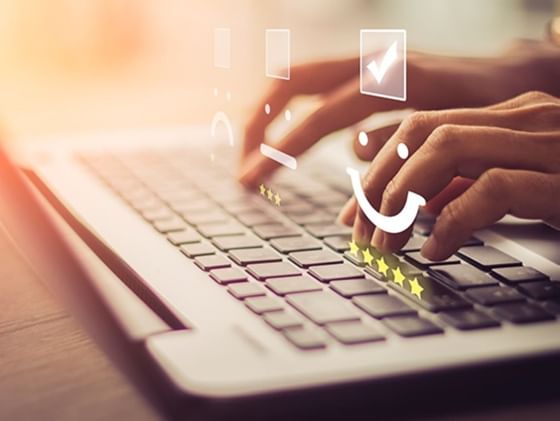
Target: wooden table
49, 368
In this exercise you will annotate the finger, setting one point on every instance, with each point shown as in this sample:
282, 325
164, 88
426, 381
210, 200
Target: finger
453, 150
347, 214
453, 190
524, 194
342, 108
306, 79
367, 145
413, 132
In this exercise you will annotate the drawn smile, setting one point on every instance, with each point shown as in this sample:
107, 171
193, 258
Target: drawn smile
391, 224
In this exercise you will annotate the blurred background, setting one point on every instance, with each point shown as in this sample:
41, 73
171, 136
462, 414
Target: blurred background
82, 65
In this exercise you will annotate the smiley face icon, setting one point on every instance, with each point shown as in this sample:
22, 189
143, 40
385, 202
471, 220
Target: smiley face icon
391, 224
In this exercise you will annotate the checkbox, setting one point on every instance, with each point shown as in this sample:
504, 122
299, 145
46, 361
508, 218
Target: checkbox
277, 53
383, 63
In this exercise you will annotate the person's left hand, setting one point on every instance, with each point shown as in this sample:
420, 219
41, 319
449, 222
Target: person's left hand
475, 165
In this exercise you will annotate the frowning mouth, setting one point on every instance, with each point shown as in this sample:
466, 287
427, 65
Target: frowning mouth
391, 224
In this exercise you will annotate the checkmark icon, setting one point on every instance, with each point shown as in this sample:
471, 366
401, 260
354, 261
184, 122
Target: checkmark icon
388, 59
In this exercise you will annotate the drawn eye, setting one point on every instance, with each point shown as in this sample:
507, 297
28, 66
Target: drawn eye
402, 149
287, 113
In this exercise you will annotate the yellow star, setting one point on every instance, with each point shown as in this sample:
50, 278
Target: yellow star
398, 277
382, 266
269, 194
262, 188
354, 249
416, 288
368, 258
277, 199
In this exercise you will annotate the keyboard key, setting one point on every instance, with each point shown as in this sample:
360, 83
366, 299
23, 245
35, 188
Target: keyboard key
306, 259
423, 227
352, 287
168, 225
338, 244
251, 219
263, 271
328, 230
262, 305
350, 333
291, 244
305, 338
281, 320
414, 244
382, 305
212, 262
228, 275
541, 290
462, 276
520, 313
157, 214
235, 242
183, 237
487, 257
245, 257
267, 232
197, 249
327, 273
552, 306
244, 290
293, 284
212, 217
322, 307
518, 274
409, 326
494, 295
313, 217
219, 230
430, 294
468, 319
420, 261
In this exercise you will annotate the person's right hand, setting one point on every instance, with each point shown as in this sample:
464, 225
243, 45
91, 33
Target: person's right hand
434, 82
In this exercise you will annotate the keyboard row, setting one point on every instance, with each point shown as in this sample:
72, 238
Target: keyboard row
275, 267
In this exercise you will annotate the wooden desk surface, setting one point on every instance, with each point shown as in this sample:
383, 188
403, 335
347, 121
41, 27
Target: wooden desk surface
49, 368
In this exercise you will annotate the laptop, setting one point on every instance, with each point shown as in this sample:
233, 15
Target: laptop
218, 299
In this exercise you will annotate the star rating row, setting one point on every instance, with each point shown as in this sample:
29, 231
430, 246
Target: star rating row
381, 266
267, 193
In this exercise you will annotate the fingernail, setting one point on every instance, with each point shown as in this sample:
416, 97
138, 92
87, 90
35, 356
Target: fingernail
430, 249
345, 216
361, 233
378, 239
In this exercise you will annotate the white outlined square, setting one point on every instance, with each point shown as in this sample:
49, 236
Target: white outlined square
277, 53
222, 48
383, 63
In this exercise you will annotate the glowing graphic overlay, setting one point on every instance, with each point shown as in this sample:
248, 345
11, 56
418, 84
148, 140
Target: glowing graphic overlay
277, 53
363, 138
278, 156
383, 63
391, 224
221, 117
222, 48
391, 272
267, 193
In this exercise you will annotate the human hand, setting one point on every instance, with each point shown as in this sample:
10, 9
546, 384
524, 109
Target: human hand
433, 83
511, 150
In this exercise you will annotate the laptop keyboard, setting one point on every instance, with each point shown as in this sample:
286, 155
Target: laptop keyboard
292, 266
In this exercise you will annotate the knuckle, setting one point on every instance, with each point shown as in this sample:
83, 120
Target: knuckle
416, 122
452, 214
536, 96
391, 195
441, 138
493, 183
